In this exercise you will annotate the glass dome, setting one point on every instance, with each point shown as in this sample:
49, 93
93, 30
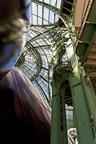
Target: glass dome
45, 38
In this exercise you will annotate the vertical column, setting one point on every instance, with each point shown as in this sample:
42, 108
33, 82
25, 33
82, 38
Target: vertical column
59, 127
90, 98
84, 130
54, 131
62, 129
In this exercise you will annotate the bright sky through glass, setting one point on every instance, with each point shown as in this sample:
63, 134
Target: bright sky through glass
38, 54
41, 14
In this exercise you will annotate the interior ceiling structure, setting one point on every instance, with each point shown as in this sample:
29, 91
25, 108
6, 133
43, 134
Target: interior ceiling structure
86, 41
47, 30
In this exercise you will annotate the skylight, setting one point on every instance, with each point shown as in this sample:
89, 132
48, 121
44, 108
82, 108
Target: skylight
41, 14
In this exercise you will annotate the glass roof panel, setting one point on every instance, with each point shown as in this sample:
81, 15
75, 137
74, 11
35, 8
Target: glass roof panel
55, 3
41, 14
45, 38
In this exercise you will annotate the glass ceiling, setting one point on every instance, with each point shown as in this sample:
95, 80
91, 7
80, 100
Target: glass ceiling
45, 39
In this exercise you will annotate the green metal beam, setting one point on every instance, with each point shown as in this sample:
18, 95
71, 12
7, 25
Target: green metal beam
90, 98
81, 111
59, 124
88, 35
59, 127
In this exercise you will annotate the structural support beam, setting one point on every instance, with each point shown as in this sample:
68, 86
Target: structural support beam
90, 98
88, 35
59, 124
59, 127
84, 129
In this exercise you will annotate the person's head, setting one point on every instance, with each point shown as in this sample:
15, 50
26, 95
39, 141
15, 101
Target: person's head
72, 132
14, 20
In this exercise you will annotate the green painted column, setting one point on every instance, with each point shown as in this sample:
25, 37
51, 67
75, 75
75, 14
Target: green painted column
63, 139
90, 98
59, 127
84, 130
54, 131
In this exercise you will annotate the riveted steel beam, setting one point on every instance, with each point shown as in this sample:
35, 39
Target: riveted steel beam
88, 35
